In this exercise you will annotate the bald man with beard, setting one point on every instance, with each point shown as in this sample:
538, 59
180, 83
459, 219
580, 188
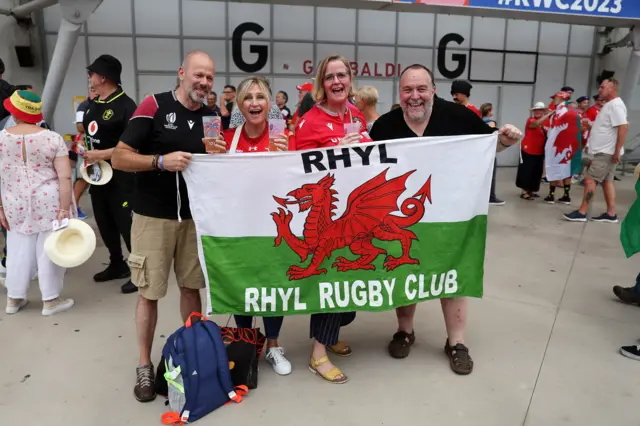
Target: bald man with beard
164, 132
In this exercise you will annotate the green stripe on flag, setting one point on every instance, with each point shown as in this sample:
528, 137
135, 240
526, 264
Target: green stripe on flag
250, 271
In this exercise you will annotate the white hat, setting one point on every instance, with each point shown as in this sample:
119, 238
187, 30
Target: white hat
539, 105
71, 246
106, 173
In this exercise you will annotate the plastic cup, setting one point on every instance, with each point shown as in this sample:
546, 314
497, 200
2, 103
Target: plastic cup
351, 128
276, 129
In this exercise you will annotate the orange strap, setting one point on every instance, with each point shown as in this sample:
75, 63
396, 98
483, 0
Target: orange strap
172, 418
194, 314
241, 391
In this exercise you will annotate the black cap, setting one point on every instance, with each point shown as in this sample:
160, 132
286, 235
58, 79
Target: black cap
461, 86
567, 89
582, 99
108, 67
596, 97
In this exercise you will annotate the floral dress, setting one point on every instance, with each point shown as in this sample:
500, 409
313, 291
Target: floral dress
30, 187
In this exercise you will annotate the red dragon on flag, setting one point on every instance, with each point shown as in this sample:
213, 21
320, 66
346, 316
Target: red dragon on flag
367, 216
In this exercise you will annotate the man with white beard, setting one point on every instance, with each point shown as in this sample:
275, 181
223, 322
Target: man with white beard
164, 132
425, 114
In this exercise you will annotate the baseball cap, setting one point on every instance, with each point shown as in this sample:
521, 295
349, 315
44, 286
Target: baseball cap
582, 99
561, 94
306, 87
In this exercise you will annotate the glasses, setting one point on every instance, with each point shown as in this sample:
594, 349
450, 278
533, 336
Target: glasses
341, 76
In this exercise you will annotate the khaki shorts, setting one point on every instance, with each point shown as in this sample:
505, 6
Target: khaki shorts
155, 244
601, 168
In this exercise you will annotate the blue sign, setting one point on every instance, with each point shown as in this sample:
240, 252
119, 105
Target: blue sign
628, 9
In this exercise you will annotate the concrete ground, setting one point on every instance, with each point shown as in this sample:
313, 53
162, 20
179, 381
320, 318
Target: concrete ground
544, 339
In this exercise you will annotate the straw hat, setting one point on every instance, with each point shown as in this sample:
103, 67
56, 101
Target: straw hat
71, 246
25, 106
538, 105
106, 173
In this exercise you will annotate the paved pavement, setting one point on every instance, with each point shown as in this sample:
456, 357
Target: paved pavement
544, 340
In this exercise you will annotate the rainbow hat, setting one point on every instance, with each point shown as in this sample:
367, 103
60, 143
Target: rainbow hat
25, 106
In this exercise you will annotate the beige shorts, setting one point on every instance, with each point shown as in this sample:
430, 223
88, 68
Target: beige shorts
601, 168
155, 244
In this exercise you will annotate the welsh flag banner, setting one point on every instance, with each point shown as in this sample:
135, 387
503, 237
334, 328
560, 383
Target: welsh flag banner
563, 141
368, 227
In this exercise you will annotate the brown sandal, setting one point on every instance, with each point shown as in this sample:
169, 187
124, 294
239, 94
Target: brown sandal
400, 345
341, 349
330, 376
459, 358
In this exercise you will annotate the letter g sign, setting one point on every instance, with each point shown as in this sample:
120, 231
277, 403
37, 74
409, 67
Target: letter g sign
236, 48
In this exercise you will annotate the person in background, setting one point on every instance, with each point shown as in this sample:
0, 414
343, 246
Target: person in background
281, 101
367, 98
532, 153
6, 90
254, 102
563, 132
80, 185
486, 113
304, 97
569, 90
461, 92
42, 188
105, 121
324, 126
226, 105
608, 135
212, 103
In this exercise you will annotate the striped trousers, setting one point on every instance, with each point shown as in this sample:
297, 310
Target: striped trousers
325, 328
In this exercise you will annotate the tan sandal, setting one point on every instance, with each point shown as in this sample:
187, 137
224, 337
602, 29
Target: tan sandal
341, 349
330, 376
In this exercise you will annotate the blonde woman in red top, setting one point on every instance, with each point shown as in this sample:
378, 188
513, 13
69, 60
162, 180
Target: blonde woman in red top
332, 121
254, 102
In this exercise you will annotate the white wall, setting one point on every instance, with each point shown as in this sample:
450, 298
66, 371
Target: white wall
10, 36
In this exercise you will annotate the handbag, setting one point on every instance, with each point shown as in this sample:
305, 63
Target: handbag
244, 348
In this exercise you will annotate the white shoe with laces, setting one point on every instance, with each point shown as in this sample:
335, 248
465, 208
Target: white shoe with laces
280, 364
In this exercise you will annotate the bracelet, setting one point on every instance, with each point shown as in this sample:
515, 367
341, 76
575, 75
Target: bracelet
505, 146
63, 211
154, 161
160, 162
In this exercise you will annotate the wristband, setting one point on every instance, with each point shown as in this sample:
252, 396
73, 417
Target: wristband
505, 146
160, 162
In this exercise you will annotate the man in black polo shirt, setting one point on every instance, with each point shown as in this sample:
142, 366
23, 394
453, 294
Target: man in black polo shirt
425, 114
164, 132
104, 122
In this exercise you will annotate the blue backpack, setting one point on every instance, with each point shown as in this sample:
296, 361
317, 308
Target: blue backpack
197, 372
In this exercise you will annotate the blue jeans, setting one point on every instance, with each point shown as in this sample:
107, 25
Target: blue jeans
272, 325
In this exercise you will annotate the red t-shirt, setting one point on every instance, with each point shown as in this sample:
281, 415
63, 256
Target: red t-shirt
473, 108
320, 128
247, 144
592, 113
533, 141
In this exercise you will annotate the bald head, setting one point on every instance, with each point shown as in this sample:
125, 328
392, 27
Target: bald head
196, 76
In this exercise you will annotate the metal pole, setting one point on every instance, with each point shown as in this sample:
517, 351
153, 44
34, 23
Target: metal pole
632, 76
67, 37
26, 9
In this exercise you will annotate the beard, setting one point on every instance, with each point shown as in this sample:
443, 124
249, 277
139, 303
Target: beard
195, 97
418, 116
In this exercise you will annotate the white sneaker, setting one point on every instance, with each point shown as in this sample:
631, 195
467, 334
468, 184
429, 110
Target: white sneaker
14, 305
281, 365
56, 306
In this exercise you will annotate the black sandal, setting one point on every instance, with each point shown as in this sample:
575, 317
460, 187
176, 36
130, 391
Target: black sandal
526, 196
459, 358
400, 345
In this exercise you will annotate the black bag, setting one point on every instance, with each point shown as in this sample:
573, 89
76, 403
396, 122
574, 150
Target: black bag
244, 348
